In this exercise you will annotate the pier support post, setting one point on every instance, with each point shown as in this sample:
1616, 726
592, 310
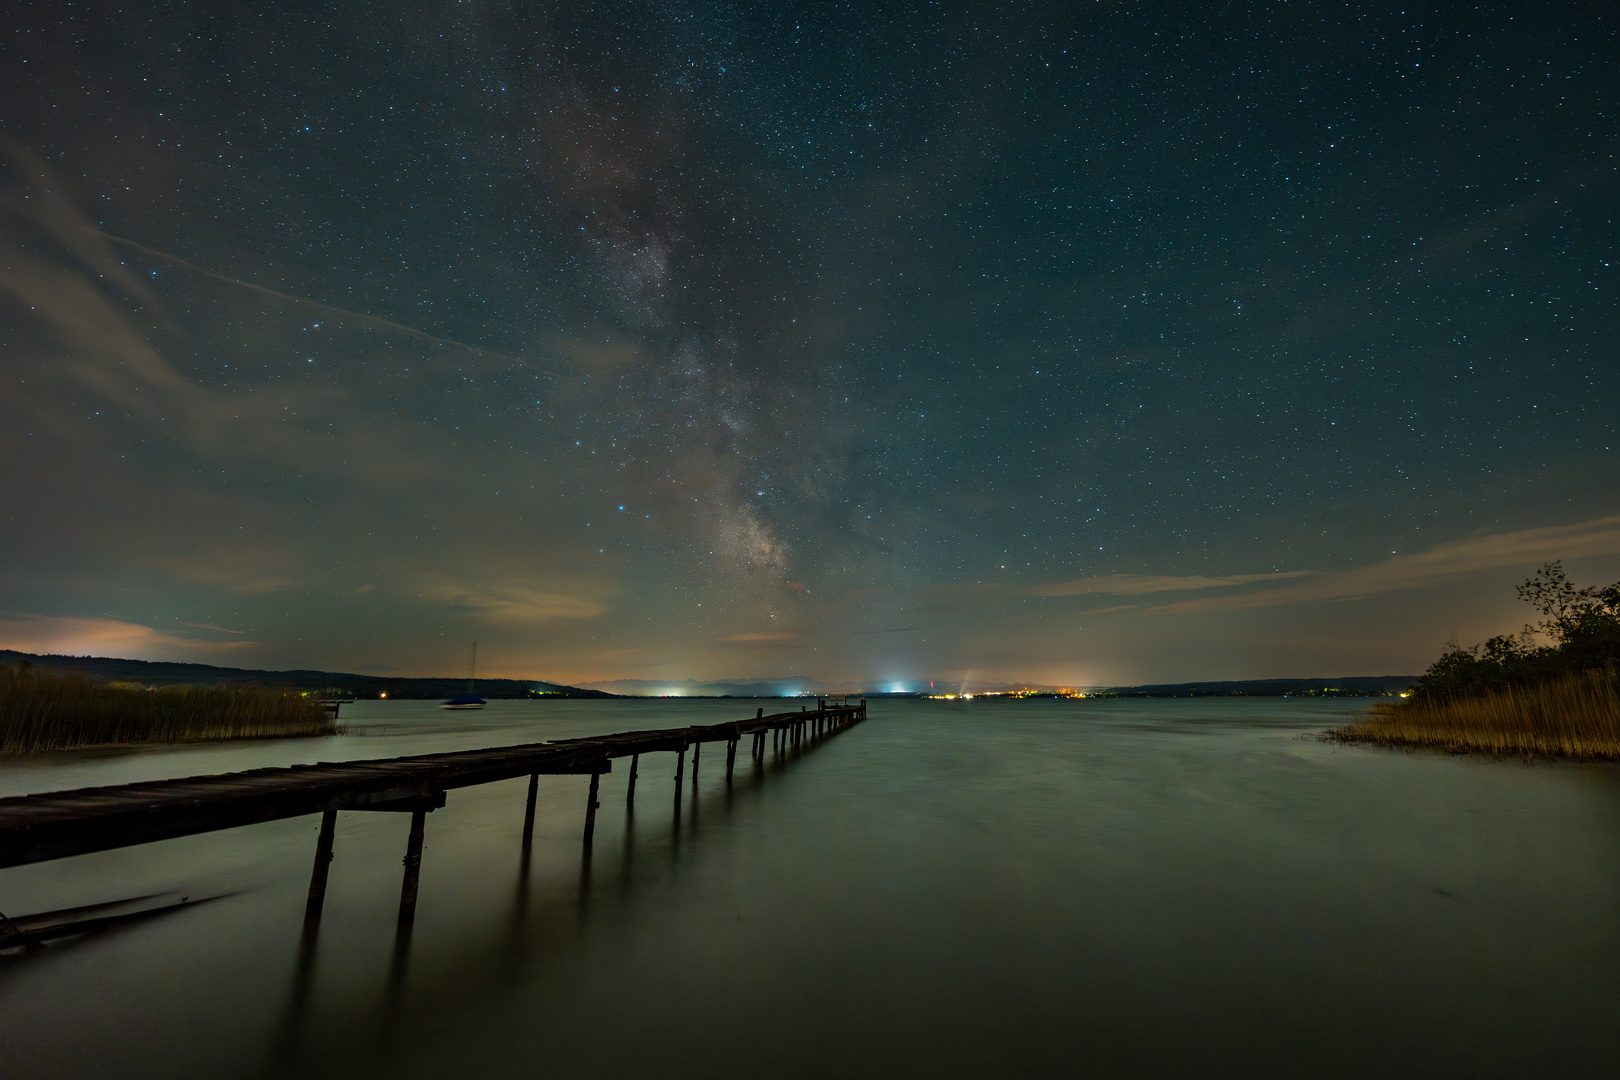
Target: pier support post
323, 862
413, 868
590, 807
680, 773
528, 812
697, 752
731, 759
630, 795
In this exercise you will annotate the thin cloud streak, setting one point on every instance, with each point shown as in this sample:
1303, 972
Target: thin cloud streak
1600, 536
511, 602
375, 321
1141, 584
773, 637
101, 636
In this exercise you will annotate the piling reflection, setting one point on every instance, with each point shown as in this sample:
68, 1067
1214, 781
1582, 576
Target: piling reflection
540, 912
285, 1045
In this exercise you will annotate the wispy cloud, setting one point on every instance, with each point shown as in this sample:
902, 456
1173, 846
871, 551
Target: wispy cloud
1141, 584
105, 329
763, 637
511, 602
1600, 536
100, 636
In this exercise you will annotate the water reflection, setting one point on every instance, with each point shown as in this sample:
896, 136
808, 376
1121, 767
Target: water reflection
516, 946
948, 892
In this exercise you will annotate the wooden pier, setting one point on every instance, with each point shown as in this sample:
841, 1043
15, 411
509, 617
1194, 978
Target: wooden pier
60, 824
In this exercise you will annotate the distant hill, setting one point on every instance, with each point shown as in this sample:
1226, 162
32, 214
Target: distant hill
157, 673
795, 685
1349, 686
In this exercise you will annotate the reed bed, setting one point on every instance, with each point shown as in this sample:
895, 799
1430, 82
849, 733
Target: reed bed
1575, 716
50, 711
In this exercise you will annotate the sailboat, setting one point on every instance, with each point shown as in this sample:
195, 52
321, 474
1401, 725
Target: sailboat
469, 700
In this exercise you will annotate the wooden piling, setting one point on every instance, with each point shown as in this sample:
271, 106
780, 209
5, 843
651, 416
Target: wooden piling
590, 807
323, 862
413, 868
697, 752
630, 795
528, 812
54, 825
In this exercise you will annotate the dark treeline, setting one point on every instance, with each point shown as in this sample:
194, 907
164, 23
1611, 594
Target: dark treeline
1580, 633
329, 683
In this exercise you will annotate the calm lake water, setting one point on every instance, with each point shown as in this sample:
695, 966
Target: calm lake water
986, 890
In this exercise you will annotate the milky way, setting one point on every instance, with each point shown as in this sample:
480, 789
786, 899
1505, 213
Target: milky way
1052, 342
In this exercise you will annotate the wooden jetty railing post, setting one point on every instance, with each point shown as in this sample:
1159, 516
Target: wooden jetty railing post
590, 807
630, 795
413, 868
323, 862
528, 812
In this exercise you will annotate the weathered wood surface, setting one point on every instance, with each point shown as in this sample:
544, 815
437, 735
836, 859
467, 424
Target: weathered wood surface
58, 824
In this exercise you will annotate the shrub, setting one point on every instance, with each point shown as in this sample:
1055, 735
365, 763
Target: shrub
1580, 632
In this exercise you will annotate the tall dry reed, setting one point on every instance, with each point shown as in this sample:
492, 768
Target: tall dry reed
42, 710
1576, 716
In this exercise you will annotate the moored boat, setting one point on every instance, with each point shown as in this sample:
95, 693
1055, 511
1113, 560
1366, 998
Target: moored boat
469, 700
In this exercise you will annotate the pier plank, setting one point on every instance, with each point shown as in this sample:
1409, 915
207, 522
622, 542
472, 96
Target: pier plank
59, 824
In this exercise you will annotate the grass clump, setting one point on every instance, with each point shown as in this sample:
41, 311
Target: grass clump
1572, 716
42, 710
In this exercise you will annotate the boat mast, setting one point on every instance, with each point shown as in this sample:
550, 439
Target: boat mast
472, 667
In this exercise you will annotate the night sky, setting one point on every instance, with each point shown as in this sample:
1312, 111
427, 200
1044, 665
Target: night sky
1073, 343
